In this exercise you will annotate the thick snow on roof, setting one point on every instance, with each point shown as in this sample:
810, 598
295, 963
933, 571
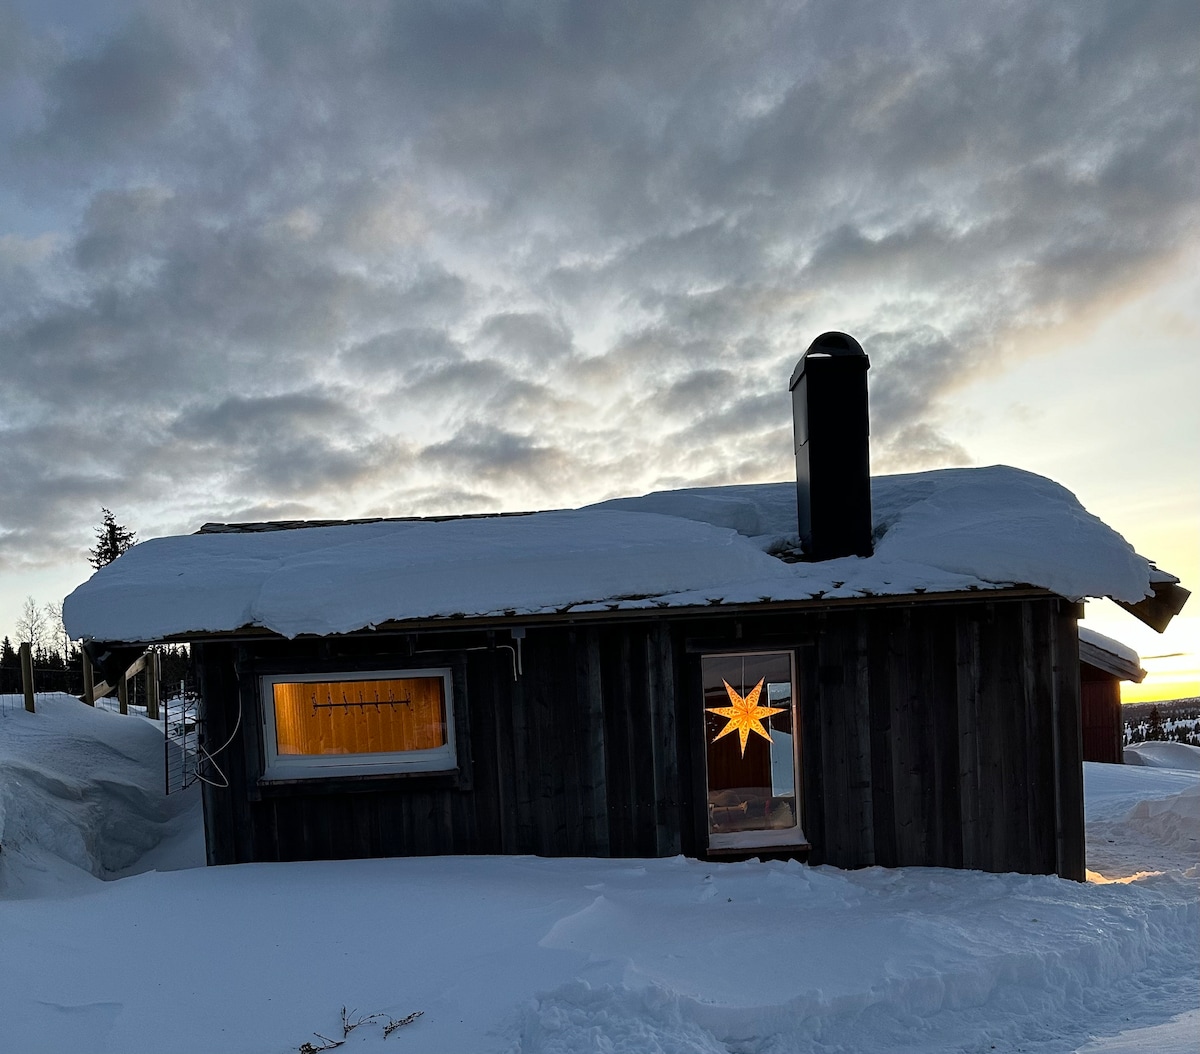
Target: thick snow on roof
1114, 647
942, 531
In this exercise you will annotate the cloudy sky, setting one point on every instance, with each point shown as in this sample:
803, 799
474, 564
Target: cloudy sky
263, 259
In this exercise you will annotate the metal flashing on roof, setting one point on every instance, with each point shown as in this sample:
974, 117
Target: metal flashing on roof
263, 526
642, 613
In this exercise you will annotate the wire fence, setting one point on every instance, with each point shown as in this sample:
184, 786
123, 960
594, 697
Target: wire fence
179, 718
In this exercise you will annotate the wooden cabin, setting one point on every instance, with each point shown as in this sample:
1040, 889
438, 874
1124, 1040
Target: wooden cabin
844, 670
1103, 664
941, 732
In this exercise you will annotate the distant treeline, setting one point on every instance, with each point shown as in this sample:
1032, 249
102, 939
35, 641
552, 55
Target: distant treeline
1177, 720
62, 671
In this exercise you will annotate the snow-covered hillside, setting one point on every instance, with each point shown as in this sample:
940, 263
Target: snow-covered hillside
522, 954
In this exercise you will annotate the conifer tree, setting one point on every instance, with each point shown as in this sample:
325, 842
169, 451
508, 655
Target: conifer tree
1156, 732
112, 539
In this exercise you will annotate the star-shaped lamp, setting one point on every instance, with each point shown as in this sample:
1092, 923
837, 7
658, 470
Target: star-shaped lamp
745, 715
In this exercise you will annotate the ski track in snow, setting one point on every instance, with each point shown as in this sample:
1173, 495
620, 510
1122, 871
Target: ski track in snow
529, 955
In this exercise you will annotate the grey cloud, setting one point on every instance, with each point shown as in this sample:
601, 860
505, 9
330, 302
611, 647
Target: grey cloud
121, 227
54, 479
751, 415
910, 370
696, 392
402, 352
526, 336
650, 356
261, 512
301, 465
478, 390
123, 91
248, 419
916, 447
292, 443
440, 499
17, 45
495, 454
585, 241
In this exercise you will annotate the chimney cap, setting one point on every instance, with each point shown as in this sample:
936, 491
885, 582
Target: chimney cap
833, 344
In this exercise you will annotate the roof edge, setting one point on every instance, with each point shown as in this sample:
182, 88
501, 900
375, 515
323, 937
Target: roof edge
444, 623
1157, 610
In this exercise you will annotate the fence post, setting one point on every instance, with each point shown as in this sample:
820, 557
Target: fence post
27, 675
123, 693
152, 686
89, 680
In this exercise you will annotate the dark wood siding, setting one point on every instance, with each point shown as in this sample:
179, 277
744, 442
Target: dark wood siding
1100, 696
579, 756
940, 734
945, 736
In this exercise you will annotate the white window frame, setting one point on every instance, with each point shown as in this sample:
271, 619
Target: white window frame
789, 837
443, 759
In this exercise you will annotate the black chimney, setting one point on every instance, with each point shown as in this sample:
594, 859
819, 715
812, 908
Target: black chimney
833, 464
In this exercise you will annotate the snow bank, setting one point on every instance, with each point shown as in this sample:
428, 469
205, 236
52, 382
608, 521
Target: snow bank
508, 955
938, 531
1142, 819
1177, 1036
1181, 756
81, 794
522, 955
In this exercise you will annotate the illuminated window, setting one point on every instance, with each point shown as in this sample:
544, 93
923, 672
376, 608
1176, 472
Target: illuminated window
752, 750
348, 724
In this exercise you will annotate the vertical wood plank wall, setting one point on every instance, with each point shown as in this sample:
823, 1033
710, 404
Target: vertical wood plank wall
972, 732
1103, 732
932, 734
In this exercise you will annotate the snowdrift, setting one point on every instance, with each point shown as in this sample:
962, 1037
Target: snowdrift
81, 794
1180, 756
536, 956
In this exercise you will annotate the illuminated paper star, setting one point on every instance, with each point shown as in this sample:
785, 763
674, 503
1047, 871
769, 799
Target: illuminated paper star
745, 715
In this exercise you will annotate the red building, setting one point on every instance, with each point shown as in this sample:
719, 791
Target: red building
1103, 664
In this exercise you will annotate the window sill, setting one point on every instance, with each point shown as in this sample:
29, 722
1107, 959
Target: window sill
295, 786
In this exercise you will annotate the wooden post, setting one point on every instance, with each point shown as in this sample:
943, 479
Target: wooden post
123, 693
89, 680
27, 675
152, 686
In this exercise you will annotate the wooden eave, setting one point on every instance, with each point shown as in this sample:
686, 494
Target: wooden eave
453, 623
1163, 605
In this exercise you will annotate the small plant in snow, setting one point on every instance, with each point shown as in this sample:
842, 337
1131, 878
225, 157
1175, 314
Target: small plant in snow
326, 1044
392, 1025
350, 1021
349, 1026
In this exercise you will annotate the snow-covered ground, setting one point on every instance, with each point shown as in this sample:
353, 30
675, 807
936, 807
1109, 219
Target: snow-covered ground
523, 954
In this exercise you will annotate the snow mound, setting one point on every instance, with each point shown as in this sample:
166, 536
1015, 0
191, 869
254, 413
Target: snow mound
1141, 819
1183, 757
81, 794
1177, 1036
1173, 822
514, 955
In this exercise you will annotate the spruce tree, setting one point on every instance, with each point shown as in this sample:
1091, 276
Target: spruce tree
1156, 732
112, 539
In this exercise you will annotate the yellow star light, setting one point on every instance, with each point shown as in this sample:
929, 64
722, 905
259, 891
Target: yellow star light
745, 715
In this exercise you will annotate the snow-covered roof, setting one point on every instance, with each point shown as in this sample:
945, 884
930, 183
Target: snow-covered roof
1110, 655
936, 532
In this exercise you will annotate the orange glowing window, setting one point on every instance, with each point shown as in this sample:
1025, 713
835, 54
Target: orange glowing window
348, 724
